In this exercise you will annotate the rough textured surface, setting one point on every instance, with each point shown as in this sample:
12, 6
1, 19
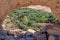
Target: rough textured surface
50, 32
51, 38
29, 35
39, 7
7, 6
53, 29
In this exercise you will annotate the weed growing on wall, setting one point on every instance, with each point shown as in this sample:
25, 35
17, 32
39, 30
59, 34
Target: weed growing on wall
25, 18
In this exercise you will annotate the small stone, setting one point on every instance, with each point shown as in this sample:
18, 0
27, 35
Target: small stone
59, 38
19, 39
51, 37
22, 39
43, 29
40, 36
23, 32
9, 38
16, 32
28, 34
30, 38
31, 30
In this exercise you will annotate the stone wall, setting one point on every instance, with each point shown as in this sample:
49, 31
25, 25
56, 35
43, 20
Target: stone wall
7, 6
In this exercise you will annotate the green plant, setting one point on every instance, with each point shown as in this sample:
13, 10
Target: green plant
43, 19
26, 18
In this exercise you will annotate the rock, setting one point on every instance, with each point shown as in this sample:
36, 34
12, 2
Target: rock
16, 32
1, 28
43, 29
23, 32
53, 29
51, 37
31, 30
28, 34
39, 7
9, 38
22, 39
30, 38
3, 36
59, 38
40, 36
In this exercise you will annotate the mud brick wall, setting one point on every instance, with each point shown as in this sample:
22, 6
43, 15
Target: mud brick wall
7, 6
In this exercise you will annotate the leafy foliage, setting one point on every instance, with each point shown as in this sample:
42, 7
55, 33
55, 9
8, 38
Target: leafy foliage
26, 18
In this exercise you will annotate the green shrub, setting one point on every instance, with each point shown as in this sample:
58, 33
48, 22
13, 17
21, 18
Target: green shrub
26, 18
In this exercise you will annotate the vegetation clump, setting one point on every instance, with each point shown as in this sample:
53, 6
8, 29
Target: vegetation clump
25, 18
